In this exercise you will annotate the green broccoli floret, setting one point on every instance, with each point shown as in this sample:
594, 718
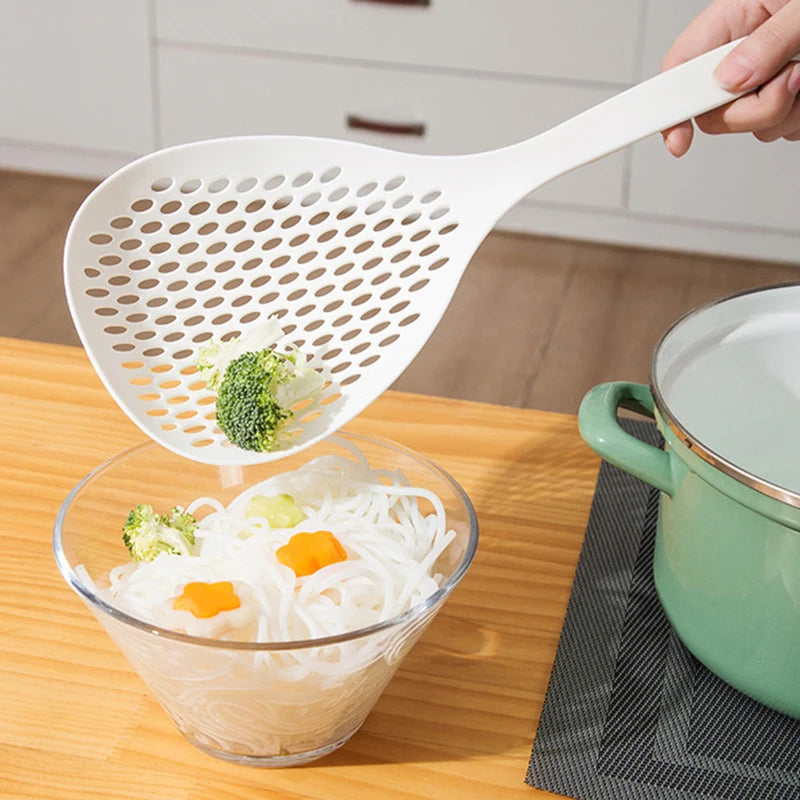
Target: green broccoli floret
213, 360
184, 522
257, 386
252, 406
147, 534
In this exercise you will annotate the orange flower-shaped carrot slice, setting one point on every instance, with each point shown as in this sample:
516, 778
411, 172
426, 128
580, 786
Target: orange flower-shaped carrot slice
206, 600
305, 553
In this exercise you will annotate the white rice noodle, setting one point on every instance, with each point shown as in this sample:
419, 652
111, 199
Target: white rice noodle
392, 547
278, 702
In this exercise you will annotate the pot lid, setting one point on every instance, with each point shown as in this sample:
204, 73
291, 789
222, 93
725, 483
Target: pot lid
726, 379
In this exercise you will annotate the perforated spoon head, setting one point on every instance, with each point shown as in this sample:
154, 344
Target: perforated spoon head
355, 250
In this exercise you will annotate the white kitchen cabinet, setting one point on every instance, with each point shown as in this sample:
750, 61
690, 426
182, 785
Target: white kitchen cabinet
734, 181
566, 41
729, 180
91, 84
76, 75
255, 93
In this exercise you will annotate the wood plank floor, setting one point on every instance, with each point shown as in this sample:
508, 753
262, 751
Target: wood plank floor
535, 322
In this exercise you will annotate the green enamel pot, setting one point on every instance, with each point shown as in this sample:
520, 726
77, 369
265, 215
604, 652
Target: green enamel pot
725, 394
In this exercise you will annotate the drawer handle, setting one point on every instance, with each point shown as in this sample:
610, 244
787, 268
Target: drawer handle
358, 123
399, 2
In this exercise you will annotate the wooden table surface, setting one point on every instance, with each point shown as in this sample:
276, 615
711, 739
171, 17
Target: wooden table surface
457, 720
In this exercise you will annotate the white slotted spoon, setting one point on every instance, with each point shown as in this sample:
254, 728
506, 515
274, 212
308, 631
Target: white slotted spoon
356, 250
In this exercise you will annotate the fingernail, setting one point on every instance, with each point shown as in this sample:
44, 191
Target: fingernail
667, 143
794, 79
733, 72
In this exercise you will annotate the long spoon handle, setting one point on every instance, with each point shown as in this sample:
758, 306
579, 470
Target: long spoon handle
647, 108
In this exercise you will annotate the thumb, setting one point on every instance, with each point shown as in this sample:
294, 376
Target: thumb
764, 52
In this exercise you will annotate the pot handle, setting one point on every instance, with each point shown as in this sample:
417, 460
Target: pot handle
597, 420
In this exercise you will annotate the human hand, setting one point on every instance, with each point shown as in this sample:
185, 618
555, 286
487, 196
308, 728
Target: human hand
761, 61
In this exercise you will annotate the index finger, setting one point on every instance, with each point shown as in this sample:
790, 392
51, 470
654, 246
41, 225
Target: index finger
717, 24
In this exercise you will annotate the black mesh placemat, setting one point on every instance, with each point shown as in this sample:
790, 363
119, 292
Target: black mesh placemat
629, 712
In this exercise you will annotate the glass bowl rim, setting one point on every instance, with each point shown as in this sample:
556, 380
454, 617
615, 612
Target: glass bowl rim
398, 620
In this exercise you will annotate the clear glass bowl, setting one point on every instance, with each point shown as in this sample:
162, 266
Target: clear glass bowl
256, 703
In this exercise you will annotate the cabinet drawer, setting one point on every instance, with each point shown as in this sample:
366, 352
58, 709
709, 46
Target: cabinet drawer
577, 40
211, 94
734, 180
76, 74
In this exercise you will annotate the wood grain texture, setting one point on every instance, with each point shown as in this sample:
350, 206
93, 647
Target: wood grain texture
35, 212
457, 720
